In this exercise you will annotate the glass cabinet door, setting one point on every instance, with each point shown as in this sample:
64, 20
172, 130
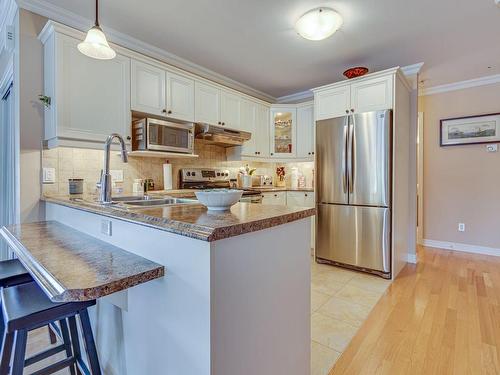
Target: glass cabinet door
283, 132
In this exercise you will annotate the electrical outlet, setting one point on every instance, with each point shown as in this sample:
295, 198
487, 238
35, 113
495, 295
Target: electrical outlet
116, 175
49, 175
461, 227
492, 147
106, 227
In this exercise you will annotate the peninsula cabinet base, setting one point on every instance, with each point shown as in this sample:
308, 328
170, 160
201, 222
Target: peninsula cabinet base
240, 305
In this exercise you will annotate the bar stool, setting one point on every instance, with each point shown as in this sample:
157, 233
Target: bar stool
12, 272
25, 307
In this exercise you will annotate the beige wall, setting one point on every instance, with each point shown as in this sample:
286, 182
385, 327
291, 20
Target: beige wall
461, 183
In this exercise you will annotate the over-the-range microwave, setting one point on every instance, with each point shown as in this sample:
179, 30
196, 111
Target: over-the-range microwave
160, 135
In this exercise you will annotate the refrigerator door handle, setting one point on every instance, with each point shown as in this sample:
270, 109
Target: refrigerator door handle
344, 161
352, 156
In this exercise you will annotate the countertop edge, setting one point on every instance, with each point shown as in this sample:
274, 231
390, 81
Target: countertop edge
195, 231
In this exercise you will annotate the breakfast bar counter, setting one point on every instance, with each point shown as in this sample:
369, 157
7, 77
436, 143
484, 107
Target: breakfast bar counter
235, 298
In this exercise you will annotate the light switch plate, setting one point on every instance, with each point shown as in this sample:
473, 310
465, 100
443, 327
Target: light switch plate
49, 175
106, 227
116, 175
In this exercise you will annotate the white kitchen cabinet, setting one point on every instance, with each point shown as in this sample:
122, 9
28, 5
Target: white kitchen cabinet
274, 198
372, 94
261, 135
332, 103
180, 97
147, 88
230, 110
90, 99
249, 123
283, 135
305, 132
207, 103
300, 199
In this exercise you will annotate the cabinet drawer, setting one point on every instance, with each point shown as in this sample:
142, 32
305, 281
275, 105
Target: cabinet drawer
300, 199
278, 198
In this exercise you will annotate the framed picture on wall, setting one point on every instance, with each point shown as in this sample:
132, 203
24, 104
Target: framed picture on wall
470, 130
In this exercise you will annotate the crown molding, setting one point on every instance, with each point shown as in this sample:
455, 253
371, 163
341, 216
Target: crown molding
411, 70
295, 98
476, 82
76, 21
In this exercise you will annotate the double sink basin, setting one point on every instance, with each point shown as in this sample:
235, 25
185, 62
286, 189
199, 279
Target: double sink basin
151, 201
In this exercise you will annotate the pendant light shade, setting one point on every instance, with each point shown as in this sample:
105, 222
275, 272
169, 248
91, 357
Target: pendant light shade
95, 44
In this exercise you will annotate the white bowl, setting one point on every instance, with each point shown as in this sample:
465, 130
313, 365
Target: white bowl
219, 199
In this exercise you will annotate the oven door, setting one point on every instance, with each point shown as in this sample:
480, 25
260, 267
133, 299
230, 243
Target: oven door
170, 136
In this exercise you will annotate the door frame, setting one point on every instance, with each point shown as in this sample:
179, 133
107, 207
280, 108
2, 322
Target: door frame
420, 178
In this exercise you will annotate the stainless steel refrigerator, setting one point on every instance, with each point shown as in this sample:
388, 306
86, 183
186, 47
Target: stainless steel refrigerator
353, 184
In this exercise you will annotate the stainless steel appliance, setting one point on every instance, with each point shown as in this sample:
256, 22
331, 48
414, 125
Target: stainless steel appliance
353, 184
221, 136
160, 135
210, 178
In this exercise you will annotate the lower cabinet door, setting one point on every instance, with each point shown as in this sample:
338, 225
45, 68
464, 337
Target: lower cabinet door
276, 198
353, 235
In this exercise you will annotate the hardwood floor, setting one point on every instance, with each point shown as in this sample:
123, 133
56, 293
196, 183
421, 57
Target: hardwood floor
441, 316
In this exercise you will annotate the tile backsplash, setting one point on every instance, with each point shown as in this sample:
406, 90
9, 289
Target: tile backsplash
87, 164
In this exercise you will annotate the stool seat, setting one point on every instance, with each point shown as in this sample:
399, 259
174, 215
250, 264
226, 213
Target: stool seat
17, 313
12, 272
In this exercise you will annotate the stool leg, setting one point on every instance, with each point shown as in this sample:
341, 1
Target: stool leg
89, 343
52, 335
66, 341
7, 343
75, 340
19, 352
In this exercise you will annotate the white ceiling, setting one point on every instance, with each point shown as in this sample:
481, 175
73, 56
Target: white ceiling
253, 41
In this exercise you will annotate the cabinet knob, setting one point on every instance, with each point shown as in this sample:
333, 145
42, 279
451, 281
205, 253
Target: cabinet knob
169, 111
346, 111
164, 111
352, 109
305, 194
255, 152
272, 154
220, 123
129, 137
275, 195
223, 123
312, 153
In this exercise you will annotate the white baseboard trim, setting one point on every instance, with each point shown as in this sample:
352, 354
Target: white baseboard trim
412, 258
455, 246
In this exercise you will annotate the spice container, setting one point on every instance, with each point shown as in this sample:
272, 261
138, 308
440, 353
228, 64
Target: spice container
75, 185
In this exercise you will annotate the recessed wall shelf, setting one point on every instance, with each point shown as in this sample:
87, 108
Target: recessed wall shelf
160, 154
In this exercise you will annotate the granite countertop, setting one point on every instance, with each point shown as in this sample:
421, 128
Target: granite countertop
193, 220
72, 266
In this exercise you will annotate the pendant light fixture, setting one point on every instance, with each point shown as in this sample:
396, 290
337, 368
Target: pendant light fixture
95, 44
318, 24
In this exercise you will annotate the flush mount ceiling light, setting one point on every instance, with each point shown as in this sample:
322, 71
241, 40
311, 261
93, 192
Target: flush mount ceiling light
318, 24
95, 44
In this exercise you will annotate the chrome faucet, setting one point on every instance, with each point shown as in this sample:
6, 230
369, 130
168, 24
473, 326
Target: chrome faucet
105, 183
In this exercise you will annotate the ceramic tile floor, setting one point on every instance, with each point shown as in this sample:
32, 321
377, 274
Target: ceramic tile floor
340, 302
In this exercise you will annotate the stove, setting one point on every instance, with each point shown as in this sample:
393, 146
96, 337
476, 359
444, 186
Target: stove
212, 178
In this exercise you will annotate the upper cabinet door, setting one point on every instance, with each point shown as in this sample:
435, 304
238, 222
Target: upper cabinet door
372, 95
207, 103
249, 124
262, 131
332, 103
180, 97
148, 89
93, 96
230, 110
283, 132
305, 132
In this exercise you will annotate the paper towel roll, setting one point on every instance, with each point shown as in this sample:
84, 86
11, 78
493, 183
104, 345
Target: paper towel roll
167, 176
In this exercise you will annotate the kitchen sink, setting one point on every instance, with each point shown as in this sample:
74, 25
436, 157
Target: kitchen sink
133, 198
159, 202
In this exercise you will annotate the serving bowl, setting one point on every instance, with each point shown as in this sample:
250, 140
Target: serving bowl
219, 199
